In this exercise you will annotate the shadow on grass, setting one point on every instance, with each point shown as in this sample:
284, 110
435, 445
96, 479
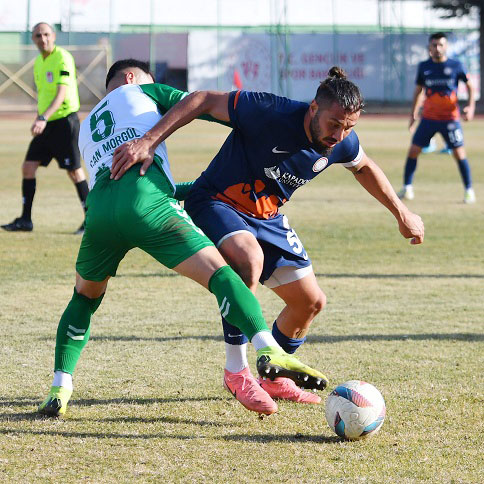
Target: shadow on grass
34, 416
261, 439
99, 435
470, 337
160, 339
401, 276
149, 274
29, 401
266, 438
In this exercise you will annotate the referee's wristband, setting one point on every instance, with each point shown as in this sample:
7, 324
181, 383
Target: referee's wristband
41, 118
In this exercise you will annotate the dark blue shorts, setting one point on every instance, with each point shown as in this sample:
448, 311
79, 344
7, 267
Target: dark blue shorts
280, 244
451, 131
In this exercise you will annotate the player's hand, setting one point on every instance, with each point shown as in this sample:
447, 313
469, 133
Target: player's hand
412, 227
38, 127
128, 154
468, 113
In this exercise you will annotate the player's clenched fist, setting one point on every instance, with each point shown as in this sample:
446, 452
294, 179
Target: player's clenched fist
412, 227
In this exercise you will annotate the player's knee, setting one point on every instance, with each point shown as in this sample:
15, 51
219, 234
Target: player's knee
76, 175
29, 169
414, 151
315, 303
319, 302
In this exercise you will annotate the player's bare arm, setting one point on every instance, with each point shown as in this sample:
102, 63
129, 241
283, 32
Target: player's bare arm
372, 178
188, 109
39, 124
416, 103
468, 111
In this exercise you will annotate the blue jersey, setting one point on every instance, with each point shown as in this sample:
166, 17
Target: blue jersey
267, 156
440, 81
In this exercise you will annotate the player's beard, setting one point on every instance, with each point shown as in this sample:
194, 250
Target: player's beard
315, 132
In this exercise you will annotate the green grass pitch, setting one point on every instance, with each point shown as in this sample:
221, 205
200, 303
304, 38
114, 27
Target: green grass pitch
148, 404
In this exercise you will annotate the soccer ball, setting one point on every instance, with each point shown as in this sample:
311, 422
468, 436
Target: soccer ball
355, 410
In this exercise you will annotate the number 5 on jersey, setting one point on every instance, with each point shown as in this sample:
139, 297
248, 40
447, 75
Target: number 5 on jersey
102, 123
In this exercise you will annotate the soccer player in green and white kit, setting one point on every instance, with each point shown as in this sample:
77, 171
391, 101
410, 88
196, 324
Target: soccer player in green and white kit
140, 211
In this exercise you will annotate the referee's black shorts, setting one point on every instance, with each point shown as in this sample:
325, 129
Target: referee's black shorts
58, 140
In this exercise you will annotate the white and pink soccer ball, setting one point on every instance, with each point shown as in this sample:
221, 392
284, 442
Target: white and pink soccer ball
355, 410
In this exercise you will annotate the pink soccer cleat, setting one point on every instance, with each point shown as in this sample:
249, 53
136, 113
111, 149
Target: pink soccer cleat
286, 389
245, 388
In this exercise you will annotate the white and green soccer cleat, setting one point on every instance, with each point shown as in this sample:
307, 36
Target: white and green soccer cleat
273, 362
55, 405
406, 193
469, 196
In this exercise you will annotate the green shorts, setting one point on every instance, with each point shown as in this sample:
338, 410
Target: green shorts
136, 211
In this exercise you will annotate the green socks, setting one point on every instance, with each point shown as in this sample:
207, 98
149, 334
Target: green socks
237, 304
73, 331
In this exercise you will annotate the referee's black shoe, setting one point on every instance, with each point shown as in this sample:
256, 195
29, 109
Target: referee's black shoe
80, 230
19, 225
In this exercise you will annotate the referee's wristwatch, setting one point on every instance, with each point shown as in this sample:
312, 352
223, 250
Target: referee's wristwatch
41, 118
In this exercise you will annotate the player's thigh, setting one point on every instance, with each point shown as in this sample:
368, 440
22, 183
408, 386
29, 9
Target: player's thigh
452, 133
38, 151
218, 220
281, 246
233, 235
166, 231
424, 132
64, 143
102, 246
201, 265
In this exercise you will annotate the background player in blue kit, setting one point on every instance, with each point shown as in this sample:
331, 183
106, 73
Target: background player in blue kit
438, 77
277, 145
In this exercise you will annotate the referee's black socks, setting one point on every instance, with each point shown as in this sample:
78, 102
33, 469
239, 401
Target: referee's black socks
83, 191
28, 192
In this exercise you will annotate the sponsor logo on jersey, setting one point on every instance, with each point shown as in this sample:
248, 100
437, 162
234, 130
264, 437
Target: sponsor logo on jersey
289, 179
438, 82
273, 172
320, 164
50, 76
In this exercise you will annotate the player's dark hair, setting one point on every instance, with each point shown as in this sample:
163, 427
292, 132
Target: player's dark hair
336, 88
437, 36
126, 64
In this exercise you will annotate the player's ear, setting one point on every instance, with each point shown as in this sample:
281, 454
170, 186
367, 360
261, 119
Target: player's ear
130, 78
313, 107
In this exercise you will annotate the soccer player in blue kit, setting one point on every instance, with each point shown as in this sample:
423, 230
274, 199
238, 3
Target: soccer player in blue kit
438, 78
276, 146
